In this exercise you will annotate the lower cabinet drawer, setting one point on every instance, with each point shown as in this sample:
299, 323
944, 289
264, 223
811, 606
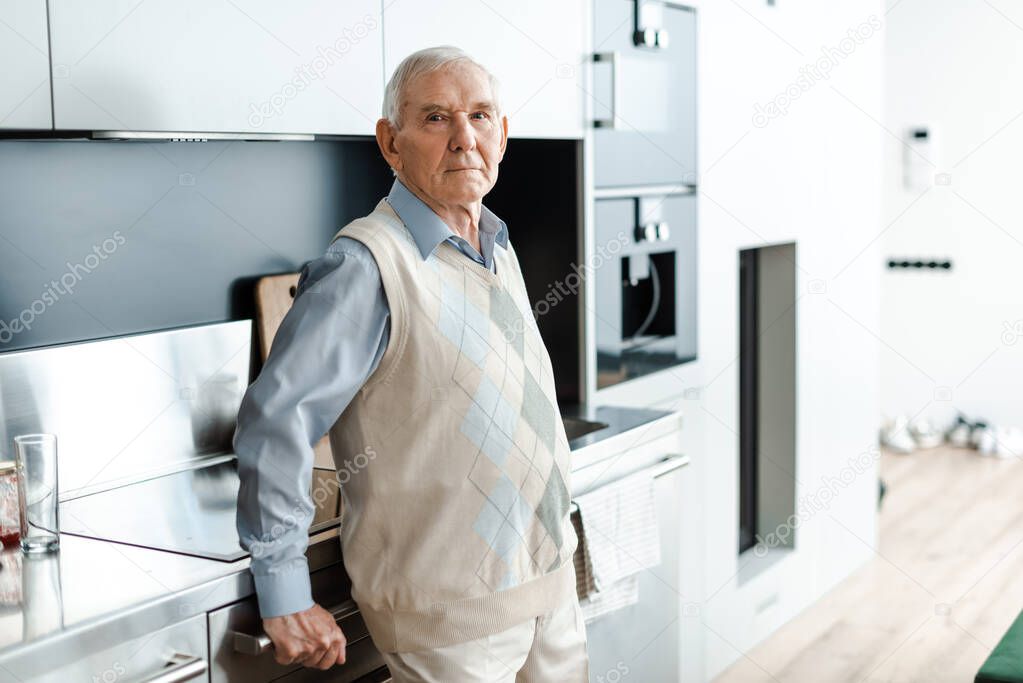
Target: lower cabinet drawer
241, 652
174, 653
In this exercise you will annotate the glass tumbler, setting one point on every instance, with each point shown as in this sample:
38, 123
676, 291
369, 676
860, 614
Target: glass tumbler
36, 456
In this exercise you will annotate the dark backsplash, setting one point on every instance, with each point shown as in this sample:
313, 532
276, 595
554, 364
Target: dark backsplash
148, 236
107, 238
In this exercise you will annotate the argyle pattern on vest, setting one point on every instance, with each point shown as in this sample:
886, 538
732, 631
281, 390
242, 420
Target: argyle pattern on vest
470, 445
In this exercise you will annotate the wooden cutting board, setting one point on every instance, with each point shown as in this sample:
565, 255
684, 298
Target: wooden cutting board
274, 296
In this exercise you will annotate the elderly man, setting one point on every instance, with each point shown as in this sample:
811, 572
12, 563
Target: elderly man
412, 341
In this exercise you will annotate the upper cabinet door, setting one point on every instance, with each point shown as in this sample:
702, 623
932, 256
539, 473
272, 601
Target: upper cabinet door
227, 66
24, 66
535, 48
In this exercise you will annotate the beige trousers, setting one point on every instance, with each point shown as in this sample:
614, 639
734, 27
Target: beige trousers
550, 648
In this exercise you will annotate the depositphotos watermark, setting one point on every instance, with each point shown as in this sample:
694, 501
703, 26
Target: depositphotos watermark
559, 290
52, 293
319, 495
325, 58
814, 72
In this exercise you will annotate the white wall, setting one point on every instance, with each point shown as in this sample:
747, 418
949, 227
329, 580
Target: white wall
956, 66
813, 176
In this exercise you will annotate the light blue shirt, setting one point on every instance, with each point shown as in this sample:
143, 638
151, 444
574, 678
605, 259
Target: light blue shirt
327, 346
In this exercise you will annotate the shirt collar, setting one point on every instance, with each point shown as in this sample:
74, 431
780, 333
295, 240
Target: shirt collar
427, 228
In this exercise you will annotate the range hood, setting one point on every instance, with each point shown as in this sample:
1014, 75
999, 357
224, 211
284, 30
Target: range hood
195, 136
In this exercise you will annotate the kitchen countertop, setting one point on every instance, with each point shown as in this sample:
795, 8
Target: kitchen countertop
105, 592
90, 585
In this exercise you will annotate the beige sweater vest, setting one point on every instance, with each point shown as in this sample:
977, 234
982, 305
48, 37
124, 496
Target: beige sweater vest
453, 456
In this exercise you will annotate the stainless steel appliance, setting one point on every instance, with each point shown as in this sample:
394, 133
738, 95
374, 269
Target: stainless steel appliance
645, 182
645, 101
646, 296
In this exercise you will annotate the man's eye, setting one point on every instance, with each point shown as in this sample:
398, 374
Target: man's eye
485, 114
433, 117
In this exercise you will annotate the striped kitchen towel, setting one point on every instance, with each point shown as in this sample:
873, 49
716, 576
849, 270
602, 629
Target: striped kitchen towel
619, 595
594, 604
619, 533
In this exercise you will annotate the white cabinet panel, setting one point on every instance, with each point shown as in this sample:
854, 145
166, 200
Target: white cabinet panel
536, 48
226, 66
24, 66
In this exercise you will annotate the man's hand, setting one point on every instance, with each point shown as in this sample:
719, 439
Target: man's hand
311, 638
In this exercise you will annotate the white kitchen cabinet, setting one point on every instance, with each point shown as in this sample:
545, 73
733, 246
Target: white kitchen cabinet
536, 48
231, 66
24, 66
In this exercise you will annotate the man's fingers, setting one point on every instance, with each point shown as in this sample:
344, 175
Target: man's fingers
310, 638
329, 658
284, 655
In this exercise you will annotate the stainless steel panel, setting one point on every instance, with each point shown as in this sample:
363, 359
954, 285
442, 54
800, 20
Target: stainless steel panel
191, 512
648, 92
621, 357
93, 594
195, 136
175, 653
128, 408
236, 634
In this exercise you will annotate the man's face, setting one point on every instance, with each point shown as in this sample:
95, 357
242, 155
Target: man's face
451, 139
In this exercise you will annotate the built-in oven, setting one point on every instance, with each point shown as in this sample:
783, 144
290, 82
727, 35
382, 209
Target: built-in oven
646, 286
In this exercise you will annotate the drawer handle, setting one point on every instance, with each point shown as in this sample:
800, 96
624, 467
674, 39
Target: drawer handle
670, 463
611, 57
182, 668
259, 643
667, 464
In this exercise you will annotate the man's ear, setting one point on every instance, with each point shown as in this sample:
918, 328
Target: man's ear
385, 141
504, 135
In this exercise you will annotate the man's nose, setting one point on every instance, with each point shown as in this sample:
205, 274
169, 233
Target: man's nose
463, 136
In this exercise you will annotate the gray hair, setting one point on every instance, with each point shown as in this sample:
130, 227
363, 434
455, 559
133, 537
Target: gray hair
419, 63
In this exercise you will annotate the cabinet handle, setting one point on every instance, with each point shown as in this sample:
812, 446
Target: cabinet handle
182, 668
611, 57
248, 644
670, 463
667, 464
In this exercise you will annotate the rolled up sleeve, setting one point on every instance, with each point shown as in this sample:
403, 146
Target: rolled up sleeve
328, 344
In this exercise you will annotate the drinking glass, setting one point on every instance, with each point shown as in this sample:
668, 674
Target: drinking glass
36, 456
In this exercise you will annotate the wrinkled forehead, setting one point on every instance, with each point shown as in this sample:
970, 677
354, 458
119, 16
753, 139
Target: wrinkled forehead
460, 85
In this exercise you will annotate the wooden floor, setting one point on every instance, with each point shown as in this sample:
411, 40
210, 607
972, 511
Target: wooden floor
945, 584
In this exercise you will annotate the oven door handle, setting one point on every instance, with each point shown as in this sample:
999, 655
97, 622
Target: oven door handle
248, 644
